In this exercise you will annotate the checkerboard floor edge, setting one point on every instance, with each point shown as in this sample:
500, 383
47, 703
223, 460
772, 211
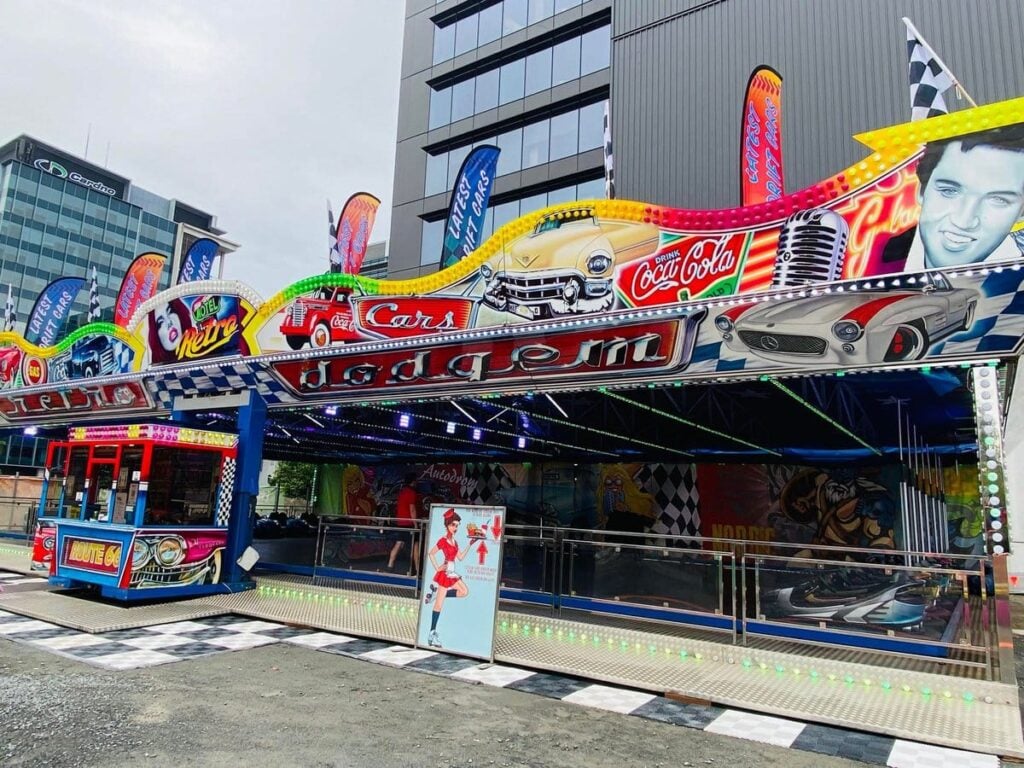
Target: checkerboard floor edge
183, 640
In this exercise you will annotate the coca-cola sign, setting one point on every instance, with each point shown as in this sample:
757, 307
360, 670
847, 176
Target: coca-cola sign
688, 268
486, 365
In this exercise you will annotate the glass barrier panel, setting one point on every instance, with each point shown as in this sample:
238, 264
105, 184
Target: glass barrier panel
942, 606
667, 578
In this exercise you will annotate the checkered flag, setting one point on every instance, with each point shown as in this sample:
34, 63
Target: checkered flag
609, 163
9, 317
929, 77
333, 254
94, 299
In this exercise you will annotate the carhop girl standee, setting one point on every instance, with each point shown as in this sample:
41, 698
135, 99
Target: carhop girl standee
462, 576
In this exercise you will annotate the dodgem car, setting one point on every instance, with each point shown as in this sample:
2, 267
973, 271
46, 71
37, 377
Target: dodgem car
864, 326
852, 597
565, 266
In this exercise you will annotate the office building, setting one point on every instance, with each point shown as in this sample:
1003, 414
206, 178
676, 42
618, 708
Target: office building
532, 76
375, 263
60, 216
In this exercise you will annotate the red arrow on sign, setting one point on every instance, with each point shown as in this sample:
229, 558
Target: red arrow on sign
496, 528
482, 551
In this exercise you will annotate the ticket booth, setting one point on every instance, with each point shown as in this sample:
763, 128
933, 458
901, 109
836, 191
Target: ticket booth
143, 510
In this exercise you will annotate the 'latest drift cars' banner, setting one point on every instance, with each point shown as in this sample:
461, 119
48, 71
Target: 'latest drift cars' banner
761, 177
139, 284
51, 310
198, 262
465, 223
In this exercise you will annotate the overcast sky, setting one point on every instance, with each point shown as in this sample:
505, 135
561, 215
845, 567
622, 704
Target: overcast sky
255, 112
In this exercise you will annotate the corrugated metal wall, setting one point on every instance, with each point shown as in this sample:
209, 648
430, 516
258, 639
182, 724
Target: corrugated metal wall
680, 68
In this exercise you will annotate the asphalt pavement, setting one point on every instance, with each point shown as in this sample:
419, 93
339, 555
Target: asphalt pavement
282, 705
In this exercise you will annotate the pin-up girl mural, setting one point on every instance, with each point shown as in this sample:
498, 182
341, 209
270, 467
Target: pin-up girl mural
167, 326
447, 583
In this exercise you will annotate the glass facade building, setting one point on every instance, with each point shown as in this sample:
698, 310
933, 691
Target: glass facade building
530, 76
51, 227
60, 216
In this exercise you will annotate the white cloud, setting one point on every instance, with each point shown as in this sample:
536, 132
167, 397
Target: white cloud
252, 111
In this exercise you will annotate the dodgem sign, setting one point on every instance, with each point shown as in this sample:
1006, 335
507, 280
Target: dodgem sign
595, 353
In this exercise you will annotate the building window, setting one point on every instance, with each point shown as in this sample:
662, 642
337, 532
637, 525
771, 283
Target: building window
430, 246
437, 174
538, 71
591, 126
487, 91
570, 132
535, 143
444, 43
440, 108
595, 50
563, 63
511, 158
540, 10
462, 99
514, 17
465, 34
490, 24
512, 81
564, 134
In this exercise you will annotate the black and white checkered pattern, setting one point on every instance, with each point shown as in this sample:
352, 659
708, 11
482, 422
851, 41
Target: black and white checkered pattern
227, 492
145, 646
10, 318
674, 487
94, 298
333, 254
609, 162
9, 580
486, 481
182, 640
929, 79
226, 377
777, 731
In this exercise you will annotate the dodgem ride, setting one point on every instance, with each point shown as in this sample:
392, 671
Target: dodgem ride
853, 327
565, 266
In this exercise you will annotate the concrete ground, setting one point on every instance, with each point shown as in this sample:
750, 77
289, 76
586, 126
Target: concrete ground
287, 706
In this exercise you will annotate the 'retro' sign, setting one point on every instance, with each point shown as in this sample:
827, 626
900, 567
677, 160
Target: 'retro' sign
78, 400
595, 353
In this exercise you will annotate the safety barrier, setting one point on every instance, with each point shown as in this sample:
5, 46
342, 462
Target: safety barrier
941, 608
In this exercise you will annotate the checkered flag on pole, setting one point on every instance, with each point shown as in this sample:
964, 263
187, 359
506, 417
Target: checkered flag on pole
609, 163
929, 77
94, 298
333, 254
9, 316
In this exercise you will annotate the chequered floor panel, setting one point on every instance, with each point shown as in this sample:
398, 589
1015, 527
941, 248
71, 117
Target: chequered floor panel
146, 646
178, 641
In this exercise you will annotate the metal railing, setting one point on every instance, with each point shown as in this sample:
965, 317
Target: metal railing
938, 608
18, 515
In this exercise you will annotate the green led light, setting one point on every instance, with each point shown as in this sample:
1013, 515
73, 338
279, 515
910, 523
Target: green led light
688, 423
821, 414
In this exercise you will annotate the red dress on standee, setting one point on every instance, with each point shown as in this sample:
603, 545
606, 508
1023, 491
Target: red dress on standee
450, 550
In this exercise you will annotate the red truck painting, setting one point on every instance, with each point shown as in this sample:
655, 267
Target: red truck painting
322, 319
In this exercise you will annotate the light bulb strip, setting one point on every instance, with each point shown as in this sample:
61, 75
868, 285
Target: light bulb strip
687, 422
604, 433
822, 415
495, 431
